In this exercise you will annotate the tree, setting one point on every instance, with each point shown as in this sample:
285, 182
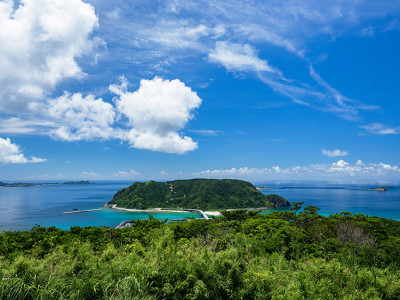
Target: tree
296, 206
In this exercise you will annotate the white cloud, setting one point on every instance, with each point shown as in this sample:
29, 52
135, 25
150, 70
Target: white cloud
39, 42
380, 129
156, 112
130, 173
149, 118
340, 164
35, 159
340, 169
334, 153
24, 126
238, 57
182, 35
245, 171
90, 175
11, 154
81, 118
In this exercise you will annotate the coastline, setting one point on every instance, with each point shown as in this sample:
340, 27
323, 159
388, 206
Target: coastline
156, 210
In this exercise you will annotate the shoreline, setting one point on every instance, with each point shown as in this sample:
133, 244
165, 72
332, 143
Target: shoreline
156, 210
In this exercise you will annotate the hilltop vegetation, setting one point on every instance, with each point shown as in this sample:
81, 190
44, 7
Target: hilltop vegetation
202, 194
282, 255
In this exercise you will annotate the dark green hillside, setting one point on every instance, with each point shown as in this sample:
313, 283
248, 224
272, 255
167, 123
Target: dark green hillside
202, 194
283, 255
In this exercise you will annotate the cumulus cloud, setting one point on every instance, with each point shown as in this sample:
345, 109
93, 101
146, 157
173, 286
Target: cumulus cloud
150, 118
11, 154
334, 153
156, 112
81, 118
380, 129
39, 42
238, 57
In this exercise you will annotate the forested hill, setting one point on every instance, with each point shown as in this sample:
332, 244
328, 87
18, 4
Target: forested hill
202, 194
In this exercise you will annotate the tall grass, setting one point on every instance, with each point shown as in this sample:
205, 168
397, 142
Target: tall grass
166, 269
253, 258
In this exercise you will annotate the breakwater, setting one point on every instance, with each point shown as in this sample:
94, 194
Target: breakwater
80, 211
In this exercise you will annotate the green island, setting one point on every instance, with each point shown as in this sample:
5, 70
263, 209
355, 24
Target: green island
293, 254
78, 182
204, 194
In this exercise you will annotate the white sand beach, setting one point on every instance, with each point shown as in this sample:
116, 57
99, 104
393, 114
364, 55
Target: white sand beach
213, 213
158, 210
155, 210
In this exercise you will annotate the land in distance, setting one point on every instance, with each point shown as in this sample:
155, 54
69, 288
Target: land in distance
204, 194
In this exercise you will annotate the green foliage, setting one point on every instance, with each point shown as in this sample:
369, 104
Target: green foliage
241, 255
202, 194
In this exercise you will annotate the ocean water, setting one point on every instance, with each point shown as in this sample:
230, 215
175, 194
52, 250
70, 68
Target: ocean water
335, 197
23, 208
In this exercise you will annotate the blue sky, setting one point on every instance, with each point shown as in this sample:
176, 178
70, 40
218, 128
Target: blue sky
257, 90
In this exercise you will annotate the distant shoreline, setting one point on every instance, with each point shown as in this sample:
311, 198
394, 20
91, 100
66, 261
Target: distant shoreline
156, 210
28, 184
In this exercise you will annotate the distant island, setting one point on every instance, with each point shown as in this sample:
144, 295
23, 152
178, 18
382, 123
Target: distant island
262, 187
204, 194
381, 188
78, 182
26, 184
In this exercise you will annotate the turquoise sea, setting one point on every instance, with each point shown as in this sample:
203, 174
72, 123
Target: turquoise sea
22, 208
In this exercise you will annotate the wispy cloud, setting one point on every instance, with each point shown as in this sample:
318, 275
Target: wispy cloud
126, 174
380, 129
237, 32
334, 153
320, 95
16, 125
89, 174
207, 132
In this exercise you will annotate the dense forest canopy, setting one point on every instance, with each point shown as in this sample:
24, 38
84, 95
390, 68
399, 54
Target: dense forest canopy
295, 254
205, 194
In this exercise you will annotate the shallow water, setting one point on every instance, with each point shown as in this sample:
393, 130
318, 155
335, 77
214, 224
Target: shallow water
22, 208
